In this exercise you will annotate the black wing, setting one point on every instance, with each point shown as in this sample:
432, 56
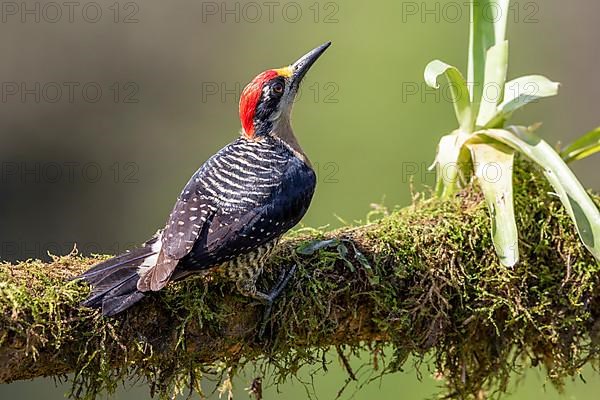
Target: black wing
191, 212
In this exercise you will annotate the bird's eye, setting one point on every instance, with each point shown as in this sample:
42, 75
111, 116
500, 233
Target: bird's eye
278, 88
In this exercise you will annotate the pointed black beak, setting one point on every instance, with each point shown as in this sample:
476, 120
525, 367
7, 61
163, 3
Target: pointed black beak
301, 67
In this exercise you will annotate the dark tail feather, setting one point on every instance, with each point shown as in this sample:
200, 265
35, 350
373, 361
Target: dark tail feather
97, 272
114, 281
118, 298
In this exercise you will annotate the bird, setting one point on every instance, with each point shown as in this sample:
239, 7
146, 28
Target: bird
233, 210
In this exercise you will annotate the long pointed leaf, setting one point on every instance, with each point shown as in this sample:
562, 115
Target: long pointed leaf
578, 204
583, 147
458, 90
496, 65
493, 168
488, 27
524, 90
500, 17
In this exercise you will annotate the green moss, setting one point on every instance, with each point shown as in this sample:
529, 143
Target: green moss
422, 280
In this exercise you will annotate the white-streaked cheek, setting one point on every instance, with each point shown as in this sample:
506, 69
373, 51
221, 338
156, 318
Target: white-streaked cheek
266, 92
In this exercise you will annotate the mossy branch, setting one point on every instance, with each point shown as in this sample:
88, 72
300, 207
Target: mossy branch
420, 280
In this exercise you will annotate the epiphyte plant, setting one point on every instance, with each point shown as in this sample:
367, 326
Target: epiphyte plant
483, 137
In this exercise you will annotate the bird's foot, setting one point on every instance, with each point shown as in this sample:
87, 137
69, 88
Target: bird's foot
270, 298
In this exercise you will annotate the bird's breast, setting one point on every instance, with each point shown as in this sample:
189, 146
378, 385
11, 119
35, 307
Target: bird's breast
249, 265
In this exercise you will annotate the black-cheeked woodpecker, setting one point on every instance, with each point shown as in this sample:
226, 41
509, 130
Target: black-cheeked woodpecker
232, 211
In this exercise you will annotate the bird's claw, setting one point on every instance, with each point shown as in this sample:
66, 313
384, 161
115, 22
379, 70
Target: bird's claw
282, 282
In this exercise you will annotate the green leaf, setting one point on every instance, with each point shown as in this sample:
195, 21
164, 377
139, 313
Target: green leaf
488, 27
313, 246
450, 163
496, 66
493, 165
524, 90
343, 253
583, 147
458, 90
578, 204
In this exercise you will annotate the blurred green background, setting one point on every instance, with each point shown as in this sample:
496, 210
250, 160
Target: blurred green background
108, 107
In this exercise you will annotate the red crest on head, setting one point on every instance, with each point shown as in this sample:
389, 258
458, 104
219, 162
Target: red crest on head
249, 100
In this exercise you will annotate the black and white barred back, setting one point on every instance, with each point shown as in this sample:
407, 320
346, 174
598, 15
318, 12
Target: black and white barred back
231, 213
250, 193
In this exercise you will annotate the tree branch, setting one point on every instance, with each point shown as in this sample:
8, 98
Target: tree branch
423, 279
